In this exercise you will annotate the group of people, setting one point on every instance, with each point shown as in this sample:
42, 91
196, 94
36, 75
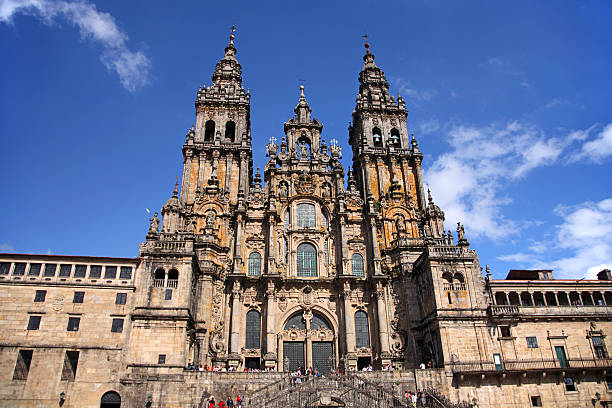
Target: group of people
224, 404
415, 400
429, 365
195, 367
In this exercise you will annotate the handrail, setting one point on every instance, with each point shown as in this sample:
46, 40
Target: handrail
528, 364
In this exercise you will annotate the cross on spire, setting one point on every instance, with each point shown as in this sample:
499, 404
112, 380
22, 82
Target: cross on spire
232, 36
367, 44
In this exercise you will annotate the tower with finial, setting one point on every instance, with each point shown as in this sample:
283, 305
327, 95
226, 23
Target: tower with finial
219, 152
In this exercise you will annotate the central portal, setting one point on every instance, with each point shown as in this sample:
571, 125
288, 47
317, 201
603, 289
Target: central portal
309, 342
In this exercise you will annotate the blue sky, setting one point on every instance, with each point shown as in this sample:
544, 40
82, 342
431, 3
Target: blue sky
510, 103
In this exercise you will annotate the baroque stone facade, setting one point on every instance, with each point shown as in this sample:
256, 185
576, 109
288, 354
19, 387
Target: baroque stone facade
320, 267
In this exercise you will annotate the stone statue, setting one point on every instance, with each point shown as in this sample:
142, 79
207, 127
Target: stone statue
400, 225
303, 150
210, 219
326, 191
282, 190
460, 232
154, 224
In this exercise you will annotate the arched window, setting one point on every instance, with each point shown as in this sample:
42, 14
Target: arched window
160, 278
172, 278
110, 399
306, 215
362, 330
447, 277
254, 264
306, 260
297, 321
459, 277
324, 223
253, 330
230, 131
357, 264
209, 131
318, 321
395, 137
377, 137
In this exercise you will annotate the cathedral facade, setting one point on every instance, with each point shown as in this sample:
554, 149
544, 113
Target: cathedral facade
319, 267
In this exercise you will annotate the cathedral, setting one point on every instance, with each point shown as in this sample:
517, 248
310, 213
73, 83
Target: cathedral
301, 264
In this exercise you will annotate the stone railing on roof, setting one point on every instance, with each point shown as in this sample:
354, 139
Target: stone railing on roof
476, 367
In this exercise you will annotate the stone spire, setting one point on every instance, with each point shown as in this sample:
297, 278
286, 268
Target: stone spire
228, 71
302, 110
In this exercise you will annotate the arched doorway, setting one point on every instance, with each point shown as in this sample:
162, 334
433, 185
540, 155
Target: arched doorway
308, 341
110, 399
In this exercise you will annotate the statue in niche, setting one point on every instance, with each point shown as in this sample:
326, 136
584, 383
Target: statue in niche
154, 224
326, 191
303, 150
400, 224
210, 219
282, 190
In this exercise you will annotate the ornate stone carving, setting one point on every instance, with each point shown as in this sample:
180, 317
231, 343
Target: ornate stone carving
305, 184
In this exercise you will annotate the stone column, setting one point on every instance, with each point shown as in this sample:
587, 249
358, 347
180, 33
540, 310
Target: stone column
349, 322
186, 176
202, 160
270, 332
380, 167
244, 174
366, 177
228, 173
406, 177
418, 177
271, 246
238, 245
375, 247
234, 336
382, 320
344, 246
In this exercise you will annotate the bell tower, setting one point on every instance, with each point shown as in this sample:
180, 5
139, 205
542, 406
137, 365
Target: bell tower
217, 153
387, 163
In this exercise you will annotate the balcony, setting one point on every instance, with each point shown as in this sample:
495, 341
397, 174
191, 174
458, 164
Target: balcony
537, 312
477, 367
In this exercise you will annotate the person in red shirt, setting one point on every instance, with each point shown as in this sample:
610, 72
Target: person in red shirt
221, 404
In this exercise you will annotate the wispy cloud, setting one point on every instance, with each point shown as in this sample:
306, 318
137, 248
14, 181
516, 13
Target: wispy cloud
584, 238
556, 102
409, 92
599, 148
469, 182
4, 247
132, 67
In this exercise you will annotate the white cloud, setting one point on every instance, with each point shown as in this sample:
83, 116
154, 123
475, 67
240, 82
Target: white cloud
100, 27
526, 84
469, 181
599, 148
409, 93
428, 127
4, 247
584, 237
556, 102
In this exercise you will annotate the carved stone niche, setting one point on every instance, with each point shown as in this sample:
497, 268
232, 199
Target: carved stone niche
307, 296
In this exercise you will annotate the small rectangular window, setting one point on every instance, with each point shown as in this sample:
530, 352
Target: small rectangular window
121, 299
532, 342
78, 297
79, 271
125, 272
168, 295
40, 295
20, 268
73, 324
34, 269
71, 361
22, 366
536, 401
50, 269
5, 267
569, 384
161, 359
110, 272
505, 331
117, 326
34, 323
65, 270
95, 271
